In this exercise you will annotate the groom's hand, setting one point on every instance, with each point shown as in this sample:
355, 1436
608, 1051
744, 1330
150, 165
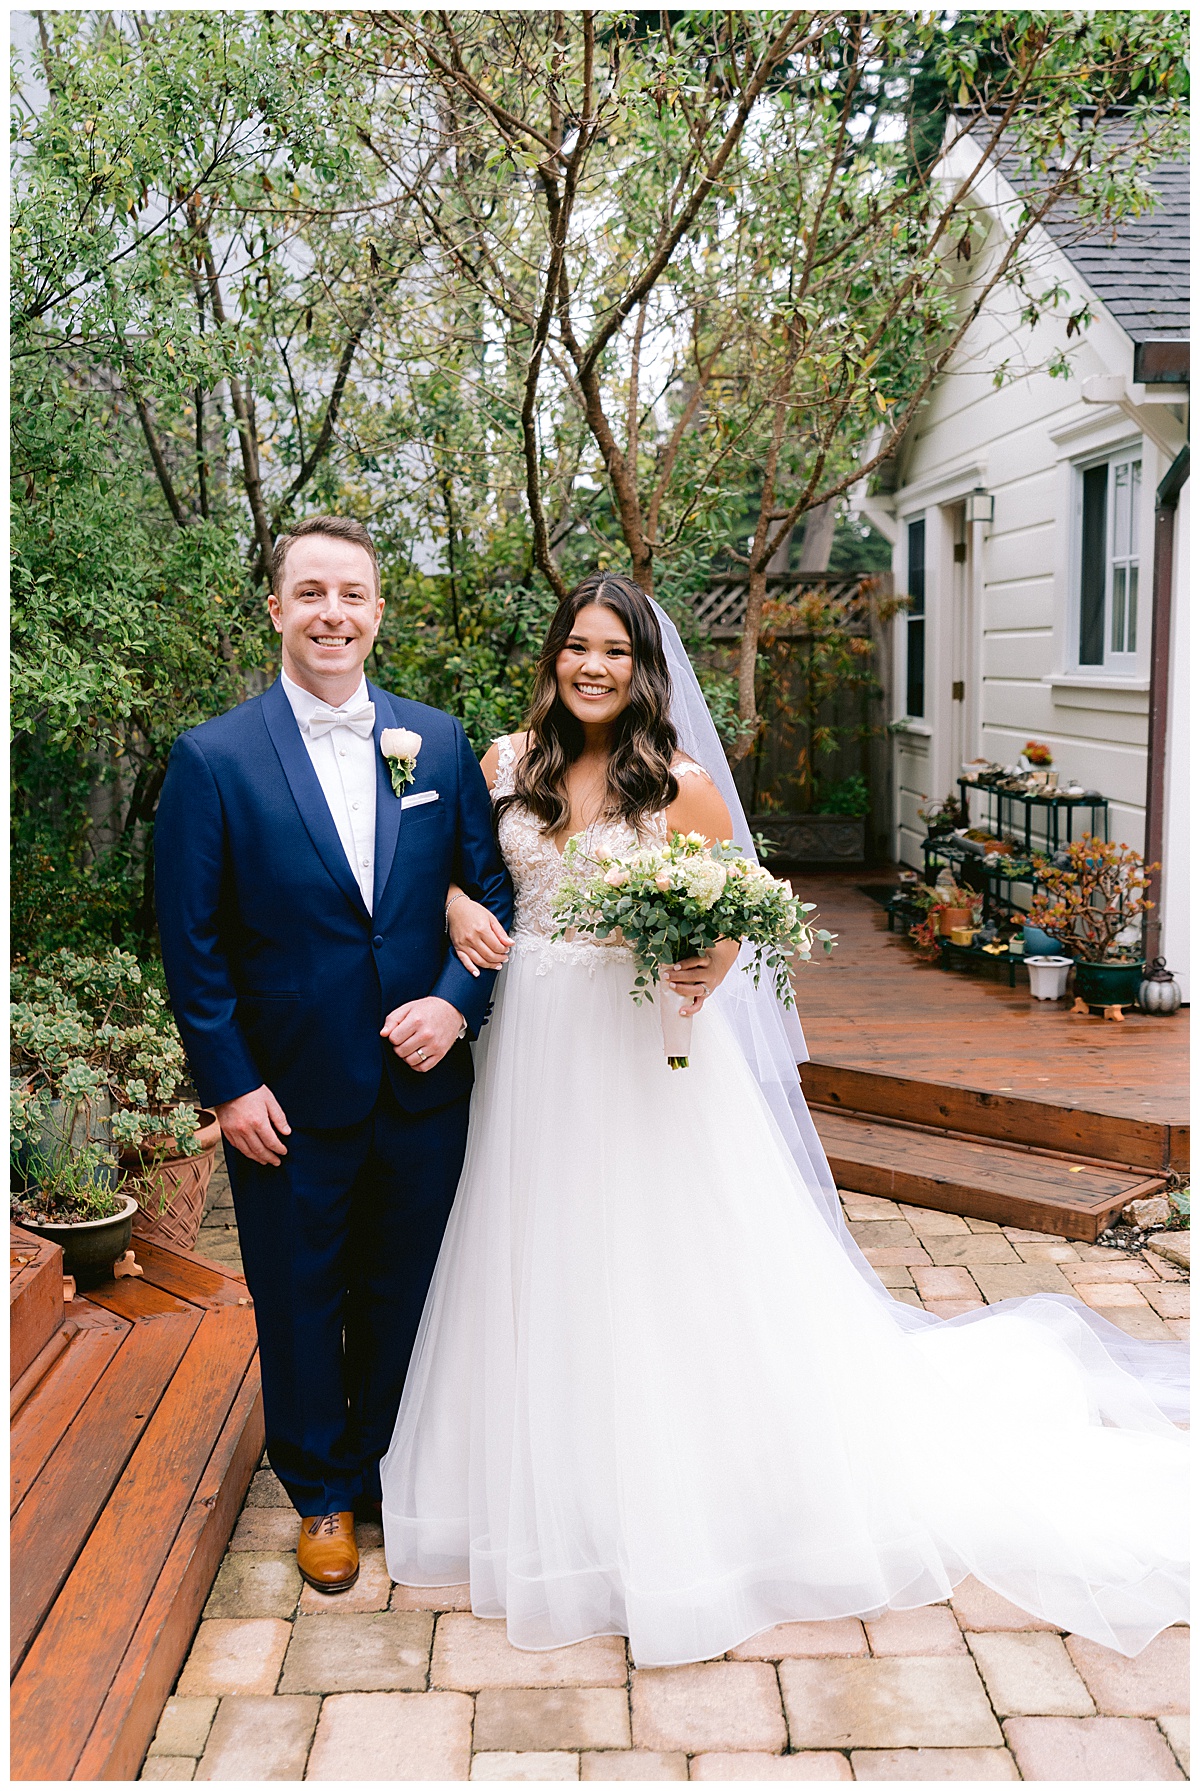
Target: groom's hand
253, 1124
421, 1032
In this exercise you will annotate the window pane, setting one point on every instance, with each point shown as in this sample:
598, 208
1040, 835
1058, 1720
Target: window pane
914, 700
916, 567
1135, 492
1091, 591
1131, 619
1118, 610
1121, 510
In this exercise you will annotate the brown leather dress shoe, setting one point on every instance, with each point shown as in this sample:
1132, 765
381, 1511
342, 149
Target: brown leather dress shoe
326, 1552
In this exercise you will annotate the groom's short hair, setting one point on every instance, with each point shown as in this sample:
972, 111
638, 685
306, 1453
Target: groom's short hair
340, 528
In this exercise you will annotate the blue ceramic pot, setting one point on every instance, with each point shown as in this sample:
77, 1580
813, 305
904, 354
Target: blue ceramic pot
1039, 943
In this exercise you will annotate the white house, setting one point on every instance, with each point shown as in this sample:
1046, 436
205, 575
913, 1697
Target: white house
1023, 524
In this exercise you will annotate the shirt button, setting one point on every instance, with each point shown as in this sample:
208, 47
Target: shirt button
366, 864
354, 805
341, 752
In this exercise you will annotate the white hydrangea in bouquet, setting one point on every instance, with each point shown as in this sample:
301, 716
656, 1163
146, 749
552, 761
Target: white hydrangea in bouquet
671, 902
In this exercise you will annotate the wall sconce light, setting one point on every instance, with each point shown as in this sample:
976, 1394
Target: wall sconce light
981, 505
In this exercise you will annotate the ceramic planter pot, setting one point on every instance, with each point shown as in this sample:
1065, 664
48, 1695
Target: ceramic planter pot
1039, 943
951, 918
1048, 977
90, 1247
170, 1191
961, 935
1108, 985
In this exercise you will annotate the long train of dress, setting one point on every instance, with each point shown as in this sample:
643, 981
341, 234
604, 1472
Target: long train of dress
652, 1396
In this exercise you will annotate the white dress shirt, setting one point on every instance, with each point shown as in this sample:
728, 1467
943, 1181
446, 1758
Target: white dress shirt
345, 766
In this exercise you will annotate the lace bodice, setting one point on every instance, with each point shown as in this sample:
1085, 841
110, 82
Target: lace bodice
535, 863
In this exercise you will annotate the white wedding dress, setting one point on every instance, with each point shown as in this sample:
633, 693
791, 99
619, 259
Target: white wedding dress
652, 1396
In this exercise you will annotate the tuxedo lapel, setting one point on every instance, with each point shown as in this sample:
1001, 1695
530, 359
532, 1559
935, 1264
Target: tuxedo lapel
307, 792
388, 812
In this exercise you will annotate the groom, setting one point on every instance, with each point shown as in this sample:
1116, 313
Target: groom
301, 906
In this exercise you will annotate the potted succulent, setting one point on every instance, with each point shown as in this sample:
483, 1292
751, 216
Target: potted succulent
947, 908
110, 1014
64, 1189
1090, 899
941, 817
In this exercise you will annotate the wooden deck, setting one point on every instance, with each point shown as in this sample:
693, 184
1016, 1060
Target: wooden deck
946, 1088
137, 1424
875, 1005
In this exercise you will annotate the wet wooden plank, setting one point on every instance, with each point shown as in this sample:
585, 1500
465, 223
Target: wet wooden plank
135, 1297
53, 1406
70, 1668
188, 1277
65, 1501
995, 1182
151, 1664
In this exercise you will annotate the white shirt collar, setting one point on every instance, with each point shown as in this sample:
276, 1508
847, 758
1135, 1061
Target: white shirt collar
305, 704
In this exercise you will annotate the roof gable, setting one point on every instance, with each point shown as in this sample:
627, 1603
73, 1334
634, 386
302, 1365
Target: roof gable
1141, 270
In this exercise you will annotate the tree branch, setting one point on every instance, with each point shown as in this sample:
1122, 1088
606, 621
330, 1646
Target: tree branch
243, 412
160, 466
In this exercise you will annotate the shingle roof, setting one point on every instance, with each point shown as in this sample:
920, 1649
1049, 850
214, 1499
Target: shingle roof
1141, 271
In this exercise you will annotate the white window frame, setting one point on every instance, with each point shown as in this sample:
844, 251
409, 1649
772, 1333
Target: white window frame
1118, 666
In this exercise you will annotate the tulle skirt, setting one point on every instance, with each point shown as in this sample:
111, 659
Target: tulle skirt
651, 1395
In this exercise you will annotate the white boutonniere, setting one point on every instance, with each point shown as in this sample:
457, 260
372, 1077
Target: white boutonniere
400, 747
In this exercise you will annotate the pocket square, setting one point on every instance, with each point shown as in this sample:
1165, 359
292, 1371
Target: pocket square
416, 801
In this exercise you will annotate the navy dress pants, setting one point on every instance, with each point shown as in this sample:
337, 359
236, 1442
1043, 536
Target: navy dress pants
339, 1245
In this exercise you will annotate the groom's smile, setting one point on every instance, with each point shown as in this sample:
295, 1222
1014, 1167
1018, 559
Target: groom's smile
327, 610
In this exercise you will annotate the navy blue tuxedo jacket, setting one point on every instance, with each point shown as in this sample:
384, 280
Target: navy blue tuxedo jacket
277, 972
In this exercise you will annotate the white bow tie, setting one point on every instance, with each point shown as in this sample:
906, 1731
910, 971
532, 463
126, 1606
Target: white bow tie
323, 720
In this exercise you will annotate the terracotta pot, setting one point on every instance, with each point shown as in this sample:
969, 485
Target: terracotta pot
170, 1192
950, 918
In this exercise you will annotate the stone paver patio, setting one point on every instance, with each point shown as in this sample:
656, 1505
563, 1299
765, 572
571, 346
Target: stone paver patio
385, 1682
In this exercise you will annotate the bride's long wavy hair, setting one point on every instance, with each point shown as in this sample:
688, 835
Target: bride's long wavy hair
640, 781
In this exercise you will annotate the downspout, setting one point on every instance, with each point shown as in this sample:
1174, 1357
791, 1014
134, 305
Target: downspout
1166, 502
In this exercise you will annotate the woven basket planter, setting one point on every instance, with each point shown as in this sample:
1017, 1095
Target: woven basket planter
171, 1192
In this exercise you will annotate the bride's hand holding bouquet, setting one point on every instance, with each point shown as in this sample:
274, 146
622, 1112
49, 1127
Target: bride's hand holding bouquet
673, 902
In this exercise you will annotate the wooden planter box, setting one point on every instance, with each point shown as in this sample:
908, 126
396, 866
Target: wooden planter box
813, 839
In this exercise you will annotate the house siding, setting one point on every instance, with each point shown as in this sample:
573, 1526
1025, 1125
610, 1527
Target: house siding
1009, 621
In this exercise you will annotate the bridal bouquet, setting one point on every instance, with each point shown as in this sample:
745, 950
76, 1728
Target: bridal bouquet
673, 902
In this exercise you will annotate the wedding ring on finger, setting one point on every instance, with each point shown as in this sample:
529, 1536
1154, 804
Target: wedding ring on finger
420, 1055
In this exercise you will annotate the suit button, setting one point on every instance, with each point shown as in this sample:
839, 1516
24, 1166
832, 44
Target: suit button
377, 941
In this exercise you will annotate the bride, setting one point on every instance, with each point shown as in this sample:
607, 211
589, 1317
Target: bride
657, 1391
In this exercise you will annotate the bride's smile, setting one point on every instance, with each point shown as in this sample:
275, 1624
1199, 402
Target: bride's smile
594, 669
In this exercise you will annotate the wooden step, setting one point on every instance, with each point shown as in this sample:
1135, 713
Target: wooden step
131, 1456
35, 1297
1016, 1119
980, 1179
